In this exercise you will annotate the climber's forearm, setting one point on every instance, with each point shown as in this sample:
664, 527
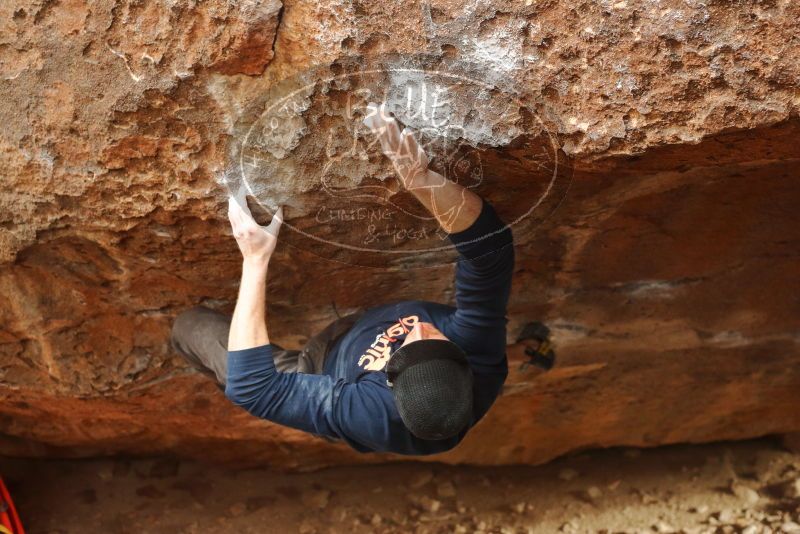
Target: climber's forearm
249, 323
454, 206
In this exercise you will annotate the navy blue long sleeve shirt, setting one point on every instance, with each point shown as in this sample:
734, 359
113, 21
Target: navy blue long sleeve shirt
350, 400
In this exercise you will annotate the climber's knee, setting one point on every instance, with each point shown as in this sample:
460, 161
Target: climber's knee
200, 335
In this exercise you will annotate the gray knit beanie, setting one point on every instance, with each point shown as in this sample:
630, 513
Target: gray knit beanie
432, 385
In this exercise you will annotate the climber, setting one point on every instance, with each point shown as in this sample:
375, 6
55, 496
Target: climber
410, 377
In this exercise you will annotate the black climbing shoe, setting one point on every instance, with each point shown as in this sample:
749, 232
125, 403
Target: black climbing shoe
538, 346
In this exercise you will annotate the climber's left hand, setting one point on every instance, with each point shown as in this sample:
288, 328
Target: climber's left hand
256, 242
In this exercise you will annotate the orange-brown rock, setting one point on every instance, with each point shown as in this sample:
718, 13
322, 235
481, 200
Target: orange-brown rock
668, 271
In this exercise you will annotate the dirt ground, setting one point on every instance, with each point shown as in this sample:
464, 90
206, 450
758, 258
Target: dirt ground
750, 487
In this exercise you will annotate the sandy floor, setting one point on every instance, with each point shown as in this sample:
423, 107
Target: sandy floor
751, 487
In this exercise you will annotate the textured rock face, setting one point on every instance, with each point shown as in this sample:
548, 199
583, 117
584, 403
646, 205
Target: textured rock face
668, 270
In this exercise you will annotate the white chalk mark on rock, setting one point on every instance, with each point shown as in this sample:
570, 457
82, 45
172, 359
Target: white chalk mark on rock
134, 77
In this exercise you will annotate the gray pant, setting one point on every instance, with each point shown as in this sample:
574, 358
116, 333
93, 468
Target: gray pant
200, 335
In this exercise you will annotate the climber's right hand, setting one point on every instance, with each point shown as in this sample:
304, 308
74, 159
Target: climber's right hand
409, 160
